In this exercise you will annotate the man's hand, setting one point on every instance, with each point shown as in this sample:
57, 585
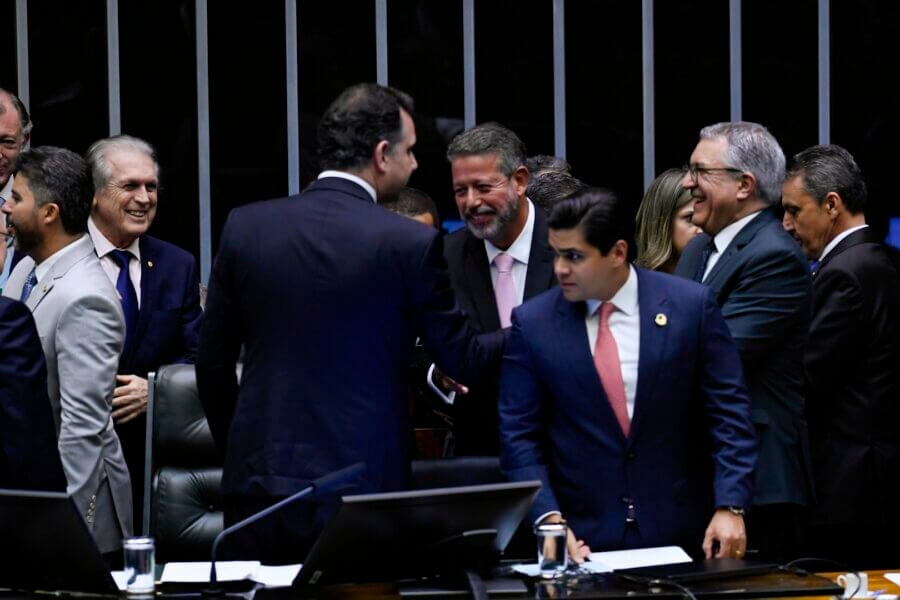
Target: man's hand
727, 529
447, 384
129, 398
578, 550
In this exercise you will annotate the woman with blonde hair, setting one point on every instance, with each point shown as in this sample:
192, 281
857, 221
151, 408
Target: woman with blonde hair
663, 222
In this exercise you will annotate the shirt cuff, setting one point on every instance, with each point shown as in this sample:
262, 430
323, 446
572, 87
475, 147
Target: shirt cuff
447, 398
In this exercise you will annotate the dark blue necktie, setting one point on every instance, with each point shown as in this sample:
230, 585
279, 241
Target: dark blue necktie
30, 282
126, 292
708, 249
813, 266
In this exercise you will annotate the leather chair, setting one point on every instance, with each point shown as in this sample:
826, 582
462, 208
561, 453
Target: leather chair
184, 501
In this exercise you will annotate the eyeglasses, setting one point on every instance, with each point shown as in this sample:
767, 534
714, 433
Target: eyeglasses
695, 171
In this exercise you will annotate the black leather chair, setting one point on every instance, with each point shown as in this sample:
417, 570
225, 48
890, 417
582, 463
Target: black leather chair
185, 502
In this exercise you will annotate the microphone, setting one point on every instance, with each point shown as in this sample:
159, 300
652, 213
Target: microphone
324, 483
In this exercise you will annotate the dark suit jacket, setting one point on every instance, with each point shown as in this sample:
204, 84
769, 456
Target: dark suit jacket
328, 292
691, 446
762, 284
29, 456
475, 424
167, 331
852, 367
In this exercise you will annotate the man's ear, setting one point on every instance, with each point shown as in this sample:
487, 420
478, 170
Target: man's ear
520, 180
620, 251
833, 204
49, 212
380, 156
26, 138
747, 185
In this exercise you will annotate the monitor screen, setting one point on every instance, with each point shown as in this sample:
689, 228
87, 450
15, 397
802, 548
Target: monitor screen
420, 533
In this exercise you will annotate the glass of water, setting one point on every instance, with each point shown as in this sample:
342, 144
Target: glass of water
140, 564
551, 548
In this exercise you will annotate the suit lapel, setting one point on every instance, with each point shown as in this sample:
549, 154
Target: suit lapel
654, 332
723, 268
539, 276
80, 249
477, 272
854, 239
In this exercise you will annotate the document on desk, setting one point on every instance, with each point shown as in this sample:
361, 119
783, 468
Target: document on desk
198, 572
606, 562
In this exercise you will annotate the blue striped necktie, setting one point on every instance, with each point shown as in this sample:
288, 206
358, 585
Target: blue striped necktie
126, 292
30, 282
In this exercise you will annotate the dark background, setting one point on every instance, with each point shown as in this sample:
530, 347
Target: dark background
514, 84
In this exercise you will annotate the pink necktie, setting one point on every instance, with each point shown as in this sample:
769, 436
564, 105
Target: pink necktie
606, 360
505, 290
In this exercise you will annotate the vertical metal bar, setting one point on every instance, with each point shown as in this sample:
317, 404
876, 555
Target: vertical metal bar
381, 40
734, 17
649, 93
469, 62
203, 168
112, 67
148, 451
293, 96
824, 72
22, 52
559, 77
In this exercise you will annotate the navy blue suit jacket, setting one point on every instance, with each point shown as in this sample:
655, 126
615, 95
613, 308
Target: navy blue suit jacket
691, 447
328, 292
29, 456
762, 284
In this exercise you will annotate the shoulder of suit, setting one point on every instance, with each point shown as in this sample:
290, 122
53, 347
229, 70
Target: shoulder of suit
540, 306
158, 246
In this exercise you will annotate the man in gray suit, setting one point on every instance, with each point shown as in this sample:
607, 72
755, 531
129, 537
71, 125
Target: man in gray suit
79, 318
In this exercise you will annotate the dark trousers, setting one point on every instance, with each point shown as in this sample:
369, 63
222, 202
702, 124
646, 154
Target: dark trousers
777, 532
133, 438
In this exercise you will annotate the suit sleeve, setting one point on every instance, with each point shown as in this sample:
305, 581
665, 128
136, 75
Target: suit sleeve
89, 340
29, 457
727, 406
190, 316
773, 289
444, 328
220, 342
836, 331
523, 410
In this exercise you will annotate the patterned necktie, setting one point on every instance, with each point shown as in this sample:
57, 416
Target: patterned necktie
126, 292
708, 249
505, 290
609, 368
30, 282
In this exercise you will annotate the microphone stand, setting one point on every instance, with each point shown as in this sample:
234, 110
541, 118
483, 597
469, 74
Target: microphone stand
322, 484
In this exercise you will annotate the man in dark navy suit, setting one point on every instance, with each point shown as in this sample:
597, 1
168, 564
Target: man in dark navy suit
29, 456
761, 282
157, 281
852, 360
622, 392
327, 292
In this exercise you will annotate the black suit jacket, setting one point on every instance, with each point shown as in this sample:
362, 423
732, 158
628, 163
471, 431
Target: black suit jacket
475, 421
29, 456
328, 292
762, 284
852, 368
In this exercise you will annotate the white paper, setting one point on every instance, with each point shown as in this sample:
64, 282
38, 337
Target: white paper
276, 576
198, 572
893, 578
642, 557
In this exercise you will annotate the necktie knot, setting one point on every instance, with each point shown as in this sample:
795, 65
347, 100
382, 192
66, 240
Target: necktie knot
122, 258
606, 309
504, 262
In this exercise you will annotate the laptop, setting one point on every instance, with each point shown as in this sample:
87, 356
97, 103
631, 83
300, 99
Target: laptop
701, 570
46, 546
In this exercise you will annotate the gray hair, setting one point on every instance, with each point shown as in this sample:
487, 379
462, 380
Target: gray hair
25, 123
490, 138
752, 148
97, 155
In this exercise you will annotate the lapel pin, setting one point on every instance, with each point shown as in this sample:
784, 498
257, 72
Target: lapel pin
150, 264
44, 289
661, 320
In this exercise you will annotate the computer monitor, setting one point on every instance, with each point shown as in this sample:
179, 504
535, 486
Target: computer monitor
45, 545
421, 533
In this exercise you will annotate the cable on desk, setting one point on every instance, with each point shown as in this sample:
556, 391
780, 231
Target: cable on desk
812, 559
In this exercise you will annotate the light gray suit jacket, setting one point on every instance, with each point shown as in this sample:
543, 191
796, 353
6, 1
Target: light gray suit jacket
79, 318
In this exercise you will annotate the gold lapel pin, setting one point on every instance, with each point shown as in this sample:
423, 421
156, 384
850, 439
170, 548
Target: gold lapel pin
661, 320
150, 264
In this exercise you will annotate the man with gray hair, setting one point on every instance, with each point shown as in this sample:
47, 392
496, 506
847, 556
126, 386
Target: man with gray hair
499, 260
157, 282
762, 285
15, 131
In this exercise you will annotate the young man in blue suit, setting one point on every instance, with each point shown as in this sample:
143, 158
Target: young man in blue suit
160, 287
760, 280
327, 292
622, 392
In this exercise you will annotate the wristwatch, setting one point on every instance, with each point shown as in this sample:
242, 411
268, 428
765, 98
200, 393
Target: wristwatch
735, 510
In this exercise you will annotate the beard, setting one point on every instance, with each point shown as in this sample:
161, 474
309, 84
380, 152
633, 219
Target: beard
503, 218
26, 240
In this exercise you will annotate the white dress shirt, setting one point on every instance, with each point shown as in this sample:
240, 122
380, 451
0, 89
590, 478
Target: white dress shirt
723, 238
354, 178
103, 247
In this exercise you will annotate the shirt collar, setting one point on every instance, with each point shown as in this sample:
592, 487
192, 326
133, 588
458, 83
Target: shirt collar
626, 299
727, 235
839, 237
354, 178
41, 270
519, 249
103, 246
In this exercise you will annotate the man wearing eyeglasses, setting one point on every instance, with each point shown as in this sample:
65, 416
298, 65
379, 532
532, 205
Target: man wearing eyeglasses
761, 282
15, 131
